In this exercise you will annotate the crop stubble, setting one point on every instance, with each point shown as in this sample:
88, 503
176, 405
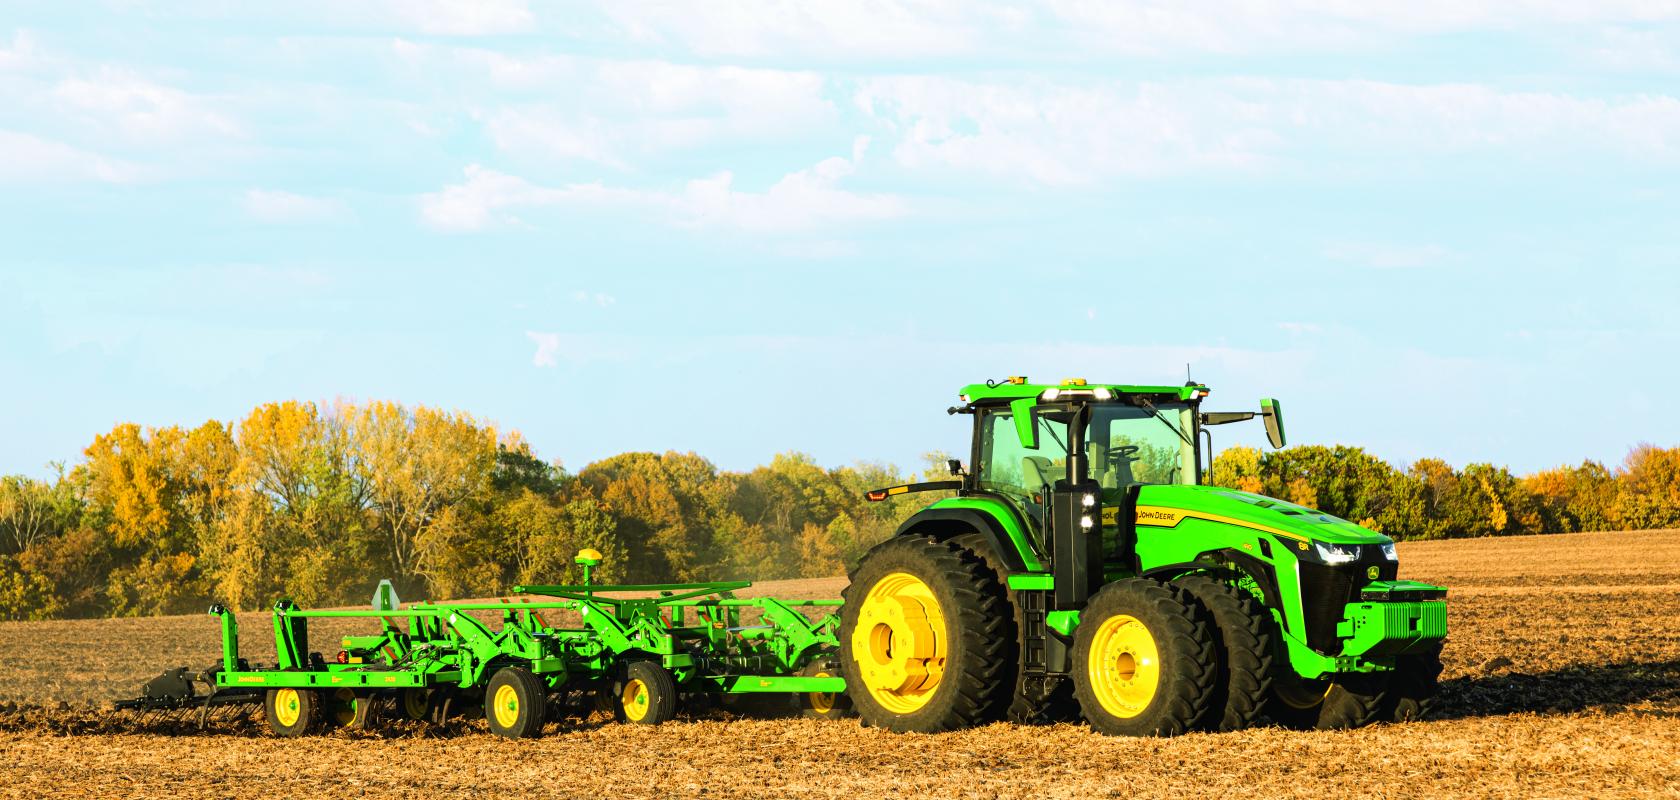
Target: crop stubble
1562, 679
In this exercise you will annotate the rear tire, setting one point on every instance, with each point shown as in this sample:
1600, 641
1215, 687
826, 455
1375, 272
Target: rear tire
516, 703
1143, 660
925, 638
1350, 700
1243, 650
1024, 707
647, 694
1412, 687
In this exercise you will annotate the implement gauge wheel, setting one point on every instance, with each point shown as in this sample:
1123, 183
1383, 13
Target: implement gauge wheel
926, 640
293, 712
1144, 661
647, 694
516, 703
824, 705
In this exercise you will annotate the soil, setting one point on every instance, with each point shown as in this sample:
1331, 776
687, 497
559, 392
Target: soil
1562, 680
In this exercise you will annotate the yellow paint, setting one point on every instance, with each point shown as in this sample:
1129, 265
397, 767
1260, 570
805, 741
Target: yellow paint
821, 702
251, 679
1124, 666
287, 707
506, 705
1163, 517
635, 700
900, 642
898, 490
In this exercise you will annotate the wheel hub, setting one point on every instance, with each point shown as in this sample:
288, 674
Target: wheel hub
900, 642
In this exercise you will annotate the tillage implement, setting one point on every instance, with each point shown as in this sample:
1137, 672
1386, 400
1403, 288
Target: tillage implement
640, 650
1084, 567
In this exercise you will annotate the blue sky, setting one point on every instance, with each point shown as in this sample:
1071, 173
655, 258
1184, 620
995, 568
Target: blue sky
1444, 228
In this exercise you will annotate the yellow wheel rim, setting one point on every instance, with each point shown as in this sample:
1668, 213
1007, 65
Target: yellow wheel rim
900, 643
1124, 666
506, 704
344, 706
287, 707
635, 700
821, 702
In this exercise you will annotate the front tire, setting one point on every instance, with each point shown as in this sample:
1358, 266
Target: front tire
1412, 687
1344, 701
1143, 660
1243, 651
925, 637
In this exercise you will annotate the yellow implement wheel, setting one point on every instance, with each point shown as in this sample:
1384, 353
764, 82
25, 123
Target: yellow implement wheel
634, 698
823, 705
516, 703
344, 707
292, 712
287, 707
821, 702
647, 693
505, 705
900, 642
1125, 666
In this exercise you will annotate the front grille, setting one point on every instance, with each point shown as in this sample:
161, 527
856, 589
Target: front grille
1326, 591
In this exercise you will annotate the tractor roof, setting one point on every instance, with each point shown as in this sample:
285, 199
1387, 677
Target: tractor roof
1016, 388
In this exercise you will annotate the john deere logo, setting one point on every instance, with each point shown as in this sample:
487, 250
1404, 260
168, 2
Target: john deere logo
1371, 573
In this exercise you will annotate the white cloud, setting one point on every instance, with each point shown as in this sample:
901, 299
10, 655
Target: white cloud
1387, 256
114, 100
799, 201
1071, 134
460, 17
599, 299
30, 159
769, 29
765, 28
564, 107
548, 348
286, 207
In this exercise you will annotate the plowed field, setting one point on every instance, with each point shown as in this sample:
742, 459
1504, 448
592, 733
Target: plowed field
1562, 680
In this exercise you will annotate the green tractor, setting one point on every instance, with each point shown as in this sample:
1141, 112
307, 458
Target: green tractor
1084, 568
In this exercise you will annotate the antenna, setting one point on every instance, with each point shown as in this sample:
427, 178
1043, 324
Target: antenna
1187, 372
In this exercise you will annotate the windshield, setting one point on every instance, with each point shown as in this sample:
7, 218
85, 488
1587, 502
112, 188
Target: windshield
1129, 445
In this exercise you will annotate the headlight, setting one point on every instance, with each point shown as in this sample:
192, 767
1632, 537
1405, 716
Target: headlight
1337, 553
1388, 552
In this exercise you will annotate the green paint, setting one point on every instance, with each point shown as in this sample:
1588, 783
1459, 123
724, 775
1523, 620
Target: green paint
1005, 515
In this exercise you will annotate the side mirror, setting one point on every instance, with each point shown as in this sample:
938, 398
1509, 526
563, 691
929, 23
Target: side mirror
1273, 412
954, 466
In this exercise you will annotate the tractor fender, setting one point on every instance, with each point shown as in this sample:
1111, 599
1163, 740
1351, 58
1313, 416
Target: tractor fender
943, 523
1228, 559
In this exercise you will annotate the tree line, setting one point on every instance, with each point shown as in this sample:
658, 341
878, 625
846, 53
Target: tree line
316, 502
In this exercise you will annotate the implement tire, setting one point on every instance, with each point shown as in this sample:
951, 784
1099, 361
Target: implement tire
293, 712
647, 694
1143, 660
925, 637
1412, 687
1350, 700
1024, 707
516, 703
1243, 649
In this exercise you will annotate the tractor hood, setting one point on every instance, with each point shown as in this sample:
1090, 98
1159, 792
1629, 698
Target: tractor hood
1246, 509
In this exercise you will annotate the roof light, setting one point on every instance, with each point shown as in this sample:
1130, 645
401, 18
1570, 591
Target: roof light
1050, 394
1102, 393
1073, 381
965, 398
1017, 379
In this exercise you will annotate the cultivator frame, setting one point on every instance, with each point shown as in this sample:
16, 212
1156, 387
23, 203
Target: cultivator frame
644, 651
